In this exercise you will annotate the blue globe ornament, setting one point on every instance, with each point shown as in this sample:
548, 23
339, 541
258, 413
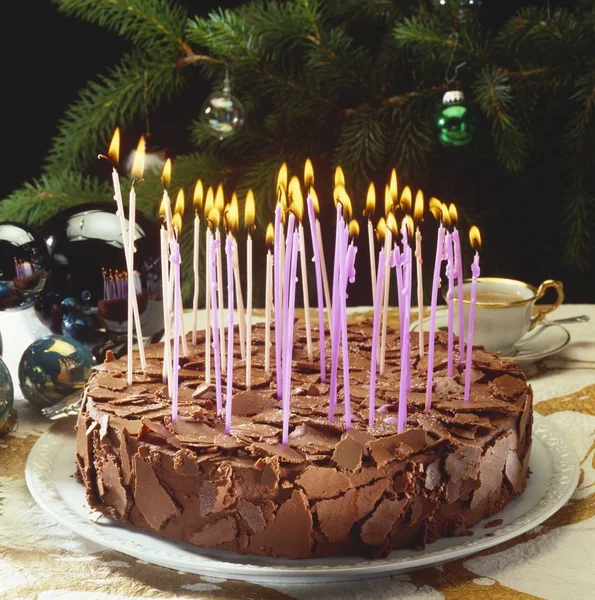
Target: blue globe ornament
24, 266
53, 367
8, 415
86, 295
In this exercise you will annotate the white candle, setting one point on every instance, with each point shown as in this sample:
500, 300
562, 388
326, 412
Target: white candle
420, 292
249, 216
166, 313
220, 298
325, 285
131, 289
177, 299
208, 285
370, 208
197, 201
239, 297
268, 303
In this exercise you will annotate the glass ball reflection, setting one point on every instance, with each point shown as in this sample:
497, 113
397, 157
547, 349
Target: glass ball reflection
86, 295
53, 367
24, 264
223, 113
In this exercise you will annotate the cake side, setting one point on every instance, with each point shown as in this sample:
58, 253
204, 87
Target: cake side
329, 492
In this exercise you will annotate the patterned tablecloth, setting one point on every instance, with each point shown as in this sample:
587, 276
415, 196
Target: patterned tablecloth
40, 559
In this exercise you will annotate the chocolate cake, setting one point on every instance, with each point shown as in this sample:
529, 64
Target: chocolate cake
364, 491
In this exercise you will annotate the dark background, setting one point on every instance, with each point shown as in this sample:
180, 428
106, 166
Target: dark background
46, 66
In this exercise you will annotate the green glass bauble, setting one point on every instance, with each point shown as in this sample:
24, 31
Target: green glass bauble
7, 413
53, 367
455, 122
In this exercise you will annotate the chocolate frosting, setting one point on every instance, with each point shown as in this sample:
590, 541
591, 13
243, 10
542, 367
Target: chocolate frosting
329, 491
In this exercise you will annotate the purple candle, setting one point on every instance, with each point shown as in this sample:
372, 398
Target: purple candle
336, 316
175, 260
230, 331
405, 382
278, 309
288, 356
437, 212
459, 275
375, 338
347, 274
288, 257
319, 288
397, 261
450, 271
475, 238
214, 321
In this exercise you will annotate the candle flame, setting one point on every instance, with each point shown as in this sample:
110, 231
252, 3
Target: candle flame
308, 174
179, 206
209, 201
231, 216
166, 173
393, 186
381, 230
445, 216
454, 215
408, 223
370, 201
270, 235
197, 198
353, 229
436, 209
339, 176
418, 209
388, 201
341, 196
114, 147
391, 223
219, 199
214, 218
138, 166
282, 177
475, 238
176, 222
406, 199
315, 202
283, 200
162, 206
249, 210
296, 199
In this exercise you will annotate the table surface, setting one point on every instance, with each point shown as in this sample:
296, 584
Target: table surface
40, 559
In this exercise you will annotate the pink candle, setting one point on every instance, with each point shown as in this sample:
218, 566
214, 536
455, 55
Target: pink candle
215, 320
347, 274
175, 260
450, 271
288, 356
434, 301
397, 261
375, 338
475, 238
319, 288
336, 316
230, 331
277, 292
287, 266
459, 275
405, 384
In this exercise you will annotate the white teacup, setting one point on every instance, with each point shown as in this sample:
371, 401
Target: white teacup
504, 310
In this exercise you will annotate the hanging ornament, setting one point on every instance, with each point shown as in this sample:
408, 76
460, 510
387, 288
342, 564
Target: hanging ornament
86, 295
24, 263
8, 415
455, 122
222, 111
53, 367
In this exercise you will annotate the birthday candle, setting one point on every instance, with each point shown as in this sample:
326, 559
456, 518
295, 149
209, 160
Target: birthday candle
375, 336
418, 215
405, 382
230, 332
220, 206
287, 359
270, 240
475, 239
214, 249
436, 209
175, 260
179, 210
369, 213
197, 201
166, 375
236, 273
319, 291
249, 215
278, 302
456, 240
450, 301
388, 243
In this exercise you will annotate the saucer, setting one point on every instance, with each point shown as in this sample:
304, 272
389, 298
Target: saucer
543, 341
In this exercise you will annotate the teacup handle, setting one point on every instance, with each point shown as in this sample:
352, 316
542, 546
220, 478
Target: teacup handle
541, 290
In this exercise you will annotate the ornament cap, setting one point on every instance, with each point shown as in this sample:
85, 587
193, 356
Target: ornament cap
453, 97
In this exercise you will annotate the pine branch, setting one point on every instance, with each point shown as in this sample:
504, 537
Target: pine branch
492, 92
41, 199
113, 100
145, 23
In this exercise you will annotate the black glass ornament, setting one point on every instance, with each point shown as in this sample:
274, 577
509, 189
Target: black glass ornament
53, 367
7, 413
86, 295
24, 264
